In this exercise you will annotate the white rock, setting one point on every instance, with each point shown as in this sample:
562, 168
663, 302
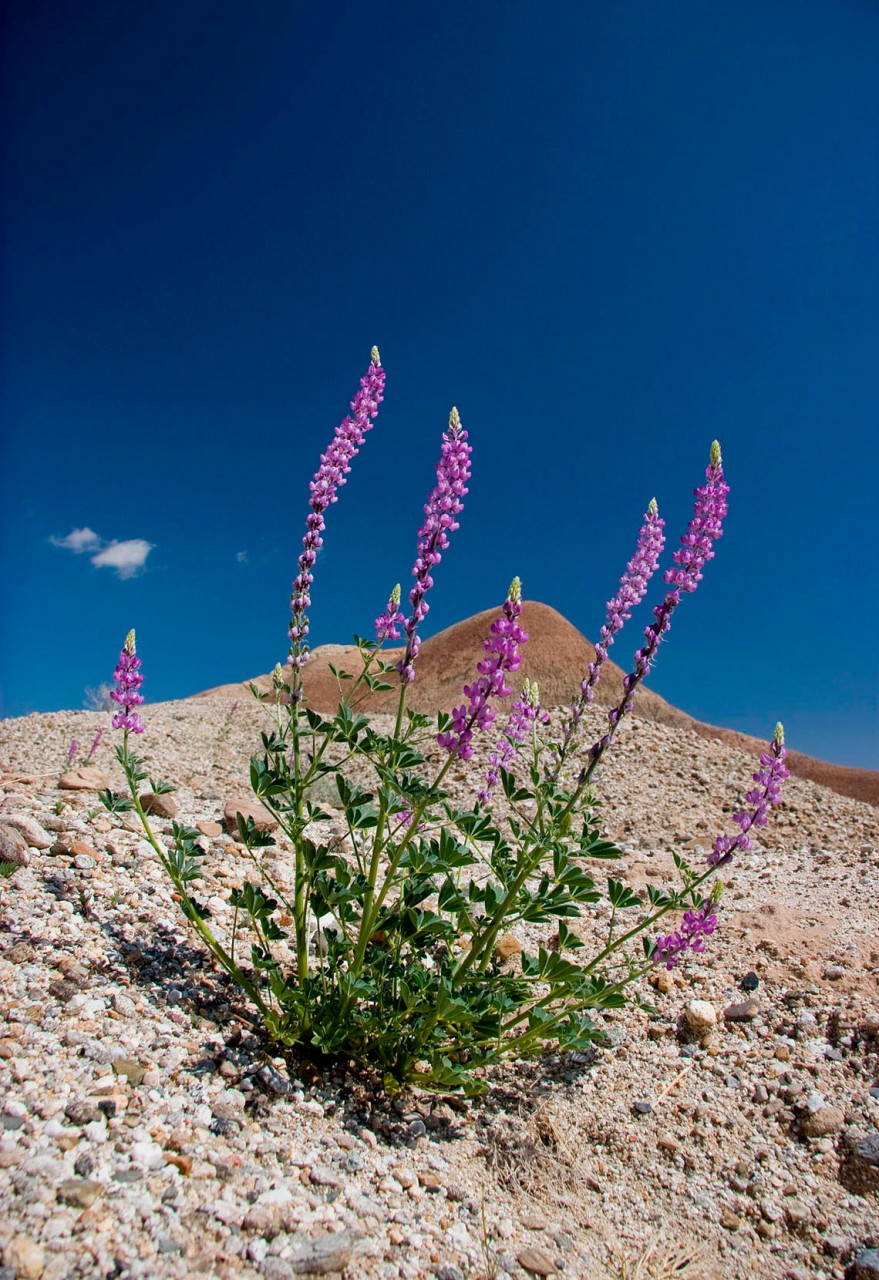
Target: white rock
700, 1015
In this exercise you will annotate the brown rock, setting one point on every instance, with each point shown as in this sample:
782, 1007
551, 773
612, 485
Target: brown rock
859, 1171
84, 779
536, 1262
13, 846
822, 1122
730, 1221
181, 1162
507, 947
26, 1257
159, 803
79, 1192
262, 820
133, 1072
745, 1012
209, 829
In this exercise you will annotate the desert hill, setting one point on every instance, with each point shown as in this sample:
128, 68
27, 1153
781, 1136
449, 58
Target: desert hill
556, 656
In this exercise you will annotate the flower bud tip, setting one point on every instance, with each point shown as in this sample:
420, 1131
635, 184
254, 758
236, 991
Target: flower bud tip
778, 736
515, 592
395, 596
375, 357
652, 508
454, 421
715, 455
129, 642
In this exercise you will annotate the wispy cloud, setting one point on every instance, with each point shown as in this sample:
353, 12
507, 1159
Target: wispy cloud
241, 557
78, 540
127, 557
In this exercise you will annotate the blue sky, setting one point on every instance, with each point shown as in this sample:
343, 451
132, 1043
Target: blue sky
608, 233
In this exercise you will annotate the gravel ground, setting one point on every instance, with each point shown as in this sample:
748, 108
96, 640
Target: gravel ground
146, 1132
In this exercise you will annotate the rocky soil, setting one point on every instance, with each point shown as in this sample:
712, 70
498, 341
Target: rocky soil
147, 1131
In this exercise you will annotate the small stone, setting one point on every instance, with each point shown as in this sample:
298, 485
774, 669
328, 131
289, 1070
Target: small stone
700, 1016
746, 1011
13, 848
35, 835
448, 1271
536, 1262
133, 1072
782, 1053
263, 1219
750, 982
228, 1105
84, 779
859, 1170
507, 947
209, 829
730, 1221
865, 1266
533, 1222
26, 1257
262, 821
642, 1108
82, 1112
83, 862
79, 1192
833, 972
662, 980
322, 1255
820, 1123
160, 803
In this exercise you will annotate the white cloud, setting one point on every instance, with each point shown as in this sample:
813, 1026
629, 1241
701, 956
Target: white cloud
127, 558
241, 557
78, 540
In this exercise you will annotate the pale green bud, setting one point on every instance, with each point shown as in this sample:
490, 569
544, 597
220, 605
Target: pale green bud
454, 421
129, 643
716, 893
652, 508
530, 692
395, 597
778, 736
375, 357
515, 592
716, 456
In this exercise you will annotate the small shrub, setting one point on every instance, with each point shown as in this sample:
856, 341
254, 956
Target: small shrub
393, 940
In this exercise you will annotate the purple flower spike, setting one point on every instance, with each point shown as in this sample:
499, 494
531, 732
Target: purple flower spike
503, 648
329, 478
96, 742
441, 509
72, 750
696, 926
128, 680
523, 714
769, 778
697, 548
387, 625
633, 584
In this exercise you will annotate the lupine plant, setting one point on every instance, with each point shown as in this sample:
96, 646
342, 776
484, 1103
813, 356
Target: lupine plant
385, 950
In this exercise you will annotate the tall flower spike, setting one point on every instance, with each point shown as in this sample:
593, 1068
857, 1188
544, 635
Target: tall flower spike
769, 777
503, 648
335, 465
696, 549
441, 509
633, 585
128, 679
387, 624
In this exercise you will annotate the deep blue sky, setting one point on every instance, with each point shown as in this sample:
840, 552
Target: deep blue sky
607, 232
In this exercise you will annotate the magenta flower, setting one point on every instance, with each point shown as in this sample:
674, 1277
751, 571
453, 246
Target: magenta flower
387, 624
769, 778
697, 548
523, 714
503, 648
633, 584
696, 926
72, 750
441, 509
329, 478
128, 680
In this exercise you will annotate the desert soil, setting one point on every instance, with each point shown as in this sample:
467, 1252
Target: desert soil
147, 1132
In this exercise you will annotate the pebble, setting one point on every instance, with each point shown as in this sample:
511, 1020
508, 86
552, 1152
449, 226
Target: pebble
820, 1123
536, 1262
700, 1015
745, 1011
865, 1265
26, 1257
